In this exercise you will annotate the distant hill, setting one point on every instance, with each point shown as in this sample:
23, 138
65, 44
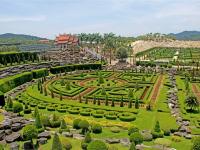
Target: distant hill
18, 38
187, 35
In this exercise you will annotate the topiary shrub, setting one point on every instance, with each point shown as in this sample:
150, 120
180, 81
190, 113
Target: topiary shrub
62, 110
147, 136
166, 132
56, 144
63, 126
45, 121
97, 145
76, 123
127, 117
66, 143
176, 138
136, 137
132, 129
115, 129
157, 134
74, 110
96, 128
17, 107
84, 143
41, 106
164, 142
84, 125
55, 121
98, 114
112, 115
51, 109
85, 112
29, 132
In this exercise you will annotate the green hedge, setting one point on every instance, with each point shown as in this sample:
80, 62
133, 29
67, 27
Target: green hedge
68, 68
11, 82
12, 57
40, 73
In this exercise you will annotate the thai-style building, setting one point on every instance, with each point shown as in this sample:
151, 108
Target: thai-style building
63, 41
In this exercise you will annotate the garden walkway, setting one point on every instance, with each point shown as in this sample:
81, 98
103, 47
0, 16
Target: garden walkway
156, 89
196, 91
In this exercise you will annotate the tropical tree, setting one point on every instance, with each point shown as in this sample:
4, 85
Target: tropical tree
192, 102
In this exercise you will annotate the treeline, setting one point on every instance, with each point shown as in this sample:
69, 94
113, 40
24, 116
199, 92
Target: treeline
17, 57
9, 48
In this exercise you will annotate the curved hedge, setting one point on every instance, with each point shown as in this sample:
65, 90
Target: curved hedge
127, 117
40, 73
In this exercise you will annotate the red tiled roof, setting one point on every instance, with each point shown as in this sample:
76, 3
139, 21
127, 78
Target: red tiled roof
66, 38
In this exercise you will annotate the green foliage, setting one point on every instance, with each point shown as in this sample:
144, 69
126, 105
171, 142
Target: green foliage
132, 129
97, 145
29, 132
36, 112
122, 53
76, 123
45, 121
40, 73
113, 103
96, 128
9, 102
17, 107
122, 102
192, 102
136, 137
67, 68
56, 144
106, 100
88, 138
196, 143
100, 78
132, 146
55, 121
38, 122
137, 104
157, 127
162, 141
84, 125
68, 86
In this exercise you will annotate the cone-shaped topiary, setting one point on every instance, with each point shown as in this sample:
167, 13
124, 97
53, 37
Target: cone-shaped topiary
56, 144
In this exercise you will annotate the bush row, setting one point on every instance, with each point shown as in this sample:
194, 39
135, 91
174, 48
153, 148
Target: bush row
68, 68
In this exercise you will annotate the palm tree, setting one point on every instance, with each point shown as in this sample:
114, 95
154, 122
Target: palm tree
192, 102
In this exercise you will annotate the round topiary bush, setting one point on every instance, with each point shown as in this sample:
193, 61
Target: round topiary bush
85, 112
97, 145
29, 132
51, 109
128, 117
136, 137
176, 138
40, 106
157, 134
62, 110
17, 107
84, 125
115, 129
96, 128
76, 123
132, 129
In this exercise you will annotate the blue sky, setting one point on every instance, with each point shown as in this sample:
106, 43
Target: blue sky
47, 18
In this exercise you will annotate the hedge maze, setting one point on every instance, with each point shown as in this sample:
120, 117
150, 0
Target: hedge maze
100, 94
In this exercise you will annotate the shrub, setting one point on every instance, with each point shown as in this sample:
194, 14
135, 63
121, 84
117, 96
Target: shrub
56, 144
38, 122
97, 145
157, 134
127, 117
55, 121
147, 136
112, 148
98, 114
166, 132
17, 107
176, 138
76, 123
196, 143
84, 125
63, 126
73, 110
27, 111
66, 144
29, 132
45, 120
132, 129
61, 110
96, 128
136, 137
115, 129
132, 146
163, 142
50, 108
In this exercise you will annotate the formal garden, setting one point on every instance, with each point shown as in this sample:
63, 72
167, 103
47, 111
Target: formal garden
85, 107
